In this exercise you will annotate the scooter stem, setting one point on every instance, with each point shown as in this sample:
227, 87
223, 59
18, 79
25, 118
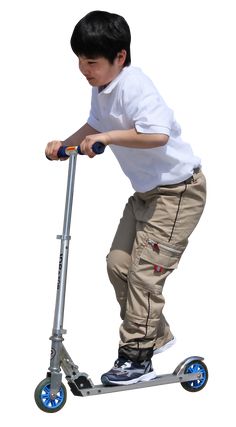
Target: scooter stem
57, 349
64, 250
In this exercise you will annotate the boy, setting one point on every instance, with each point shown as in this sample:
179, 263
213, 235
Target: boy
130, 116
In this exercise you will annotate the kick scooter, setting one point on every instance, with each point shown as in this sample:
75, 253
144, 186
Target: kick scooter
50, 394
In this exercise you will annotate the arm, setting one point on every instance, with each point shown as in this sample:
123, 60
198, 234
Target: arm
80, 135
124, 138
74, 140
133, 139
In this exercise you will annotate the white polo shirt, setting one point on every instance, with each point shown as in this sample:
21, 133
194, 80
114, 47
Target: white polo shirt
132, 101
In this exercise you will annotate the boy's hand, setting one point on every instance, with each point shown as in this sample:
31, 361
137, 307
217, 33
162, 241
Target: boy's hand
89, 141
52, 149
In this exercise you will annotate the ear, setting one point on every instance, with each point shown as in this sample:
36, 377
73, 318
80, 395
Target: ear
121, 57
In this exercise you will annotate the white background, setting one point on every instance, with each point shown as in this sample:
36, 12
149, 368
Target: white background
188, 49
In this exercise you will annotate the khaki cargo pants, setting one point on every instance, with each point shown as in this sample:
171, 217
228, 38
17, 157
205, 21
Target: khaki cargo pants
151, 237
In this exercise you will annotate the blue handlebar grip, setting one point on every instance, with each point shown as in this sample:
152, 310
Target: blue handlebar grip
98, 148
62, 152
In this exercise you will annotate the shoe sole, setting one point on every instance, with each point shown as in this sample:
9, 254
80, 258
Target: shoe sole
164, 347
143, 378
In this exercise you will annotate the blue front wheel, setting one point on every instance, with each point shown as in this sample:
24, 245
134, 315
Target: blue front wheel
196, 367
43, 399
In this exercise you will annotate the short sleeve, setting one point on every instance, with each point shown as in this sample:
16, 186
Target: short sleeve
145, 107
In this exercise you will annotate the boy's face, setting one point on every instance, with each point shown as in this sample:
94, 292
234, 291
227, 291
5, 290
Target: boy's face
99, 71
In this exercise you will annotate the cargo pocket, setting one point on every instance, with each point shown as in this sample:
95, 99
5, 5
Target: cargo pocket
155, 263
160, 254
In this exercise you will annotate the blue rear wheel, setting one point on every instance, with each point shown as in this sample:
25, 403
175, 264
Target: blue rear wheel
43, 399
196, 367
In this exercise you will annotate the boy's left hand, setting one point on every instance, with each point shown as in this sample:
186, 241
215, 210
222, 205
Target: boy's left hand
89, 141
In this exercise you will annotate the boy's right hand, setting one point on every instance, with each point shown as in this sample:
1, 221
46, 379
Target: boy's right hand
52, 149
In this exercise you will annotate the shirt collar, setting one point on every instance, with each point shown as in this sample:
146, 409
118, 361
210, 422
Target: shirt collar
109, 88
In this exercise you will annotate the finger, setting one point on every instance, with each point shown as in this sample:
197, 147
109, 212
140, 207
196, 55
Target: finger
91, 155
52, 149
89, 151
86, 149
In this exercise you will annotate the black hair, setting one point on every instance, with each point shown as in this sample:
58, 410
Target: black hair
101, 33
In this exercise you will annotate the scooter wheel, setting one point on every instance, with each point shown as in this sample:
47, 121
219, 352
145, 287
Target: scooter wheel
197, 366
43, 399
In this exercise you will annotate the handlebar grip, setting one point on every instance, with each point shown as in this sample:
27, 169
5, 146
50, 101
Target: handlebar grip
98, 148
62, 152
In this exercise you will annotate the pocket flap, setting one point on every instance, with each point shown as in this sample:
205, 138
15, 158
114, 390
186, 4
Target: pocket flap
156, 254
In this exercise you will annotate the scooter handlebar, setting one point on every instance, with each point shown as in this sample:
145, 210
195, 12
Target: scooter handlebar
64, 151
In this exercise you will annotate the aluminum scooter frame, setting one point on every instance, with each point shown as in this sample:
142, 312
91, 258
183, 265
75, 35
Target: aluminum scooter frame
79, 382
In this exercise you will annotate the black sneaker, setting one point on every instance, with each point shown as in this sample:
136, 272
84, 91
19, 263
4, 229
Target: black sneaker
127, 372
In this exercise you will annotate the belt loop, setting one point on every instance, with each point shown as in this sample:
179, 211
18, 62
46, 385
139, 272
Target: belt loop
196, 172
193, 177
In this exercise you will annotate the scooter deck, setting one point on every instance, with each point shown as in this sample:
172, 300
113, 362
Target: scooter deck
159, 380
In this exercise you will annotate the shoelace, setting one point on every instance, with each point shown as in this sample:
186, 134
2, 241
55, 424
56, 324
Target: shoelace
122, 364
